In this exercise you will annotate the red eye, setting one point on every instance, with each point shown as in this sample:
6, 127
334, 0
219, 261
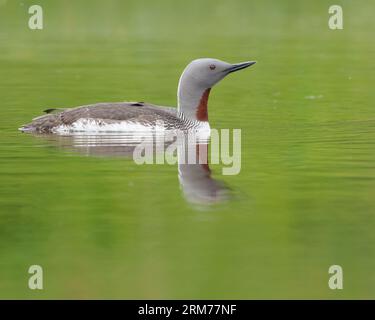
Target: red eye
212, 66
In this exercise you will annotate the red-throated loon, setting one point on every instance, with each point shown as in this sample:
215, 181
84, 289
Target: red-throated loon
194, 87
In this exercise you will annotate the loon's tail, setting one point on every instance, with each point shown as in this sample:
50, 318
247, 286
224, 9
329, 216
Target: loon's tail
42, 124
27, 128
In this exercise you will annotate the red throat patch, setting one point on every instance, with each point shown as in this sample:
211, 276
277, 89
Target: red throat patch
202, 114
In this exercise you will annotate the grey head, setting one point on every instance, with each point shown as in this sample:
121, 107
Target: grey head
196, 82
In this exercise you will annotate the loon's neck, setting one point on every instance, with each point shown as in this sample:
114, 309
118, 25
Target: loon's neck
192, 100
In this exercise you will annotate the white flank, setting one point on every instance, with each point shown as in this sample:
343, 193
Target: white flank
90, 126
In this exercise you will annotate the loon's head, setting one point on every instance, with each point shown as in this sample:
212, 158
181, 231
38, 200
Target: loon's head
206, 72
196, 82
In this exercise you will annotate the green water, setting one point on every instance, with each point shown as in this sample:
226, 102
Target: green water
103, 227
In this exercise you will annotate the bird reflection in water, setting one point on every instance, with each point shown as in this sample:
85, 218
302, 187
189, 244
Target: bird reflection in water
191, 155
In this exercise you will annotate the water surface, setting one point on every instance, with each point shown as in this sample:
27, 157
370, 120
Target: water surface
104, 227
